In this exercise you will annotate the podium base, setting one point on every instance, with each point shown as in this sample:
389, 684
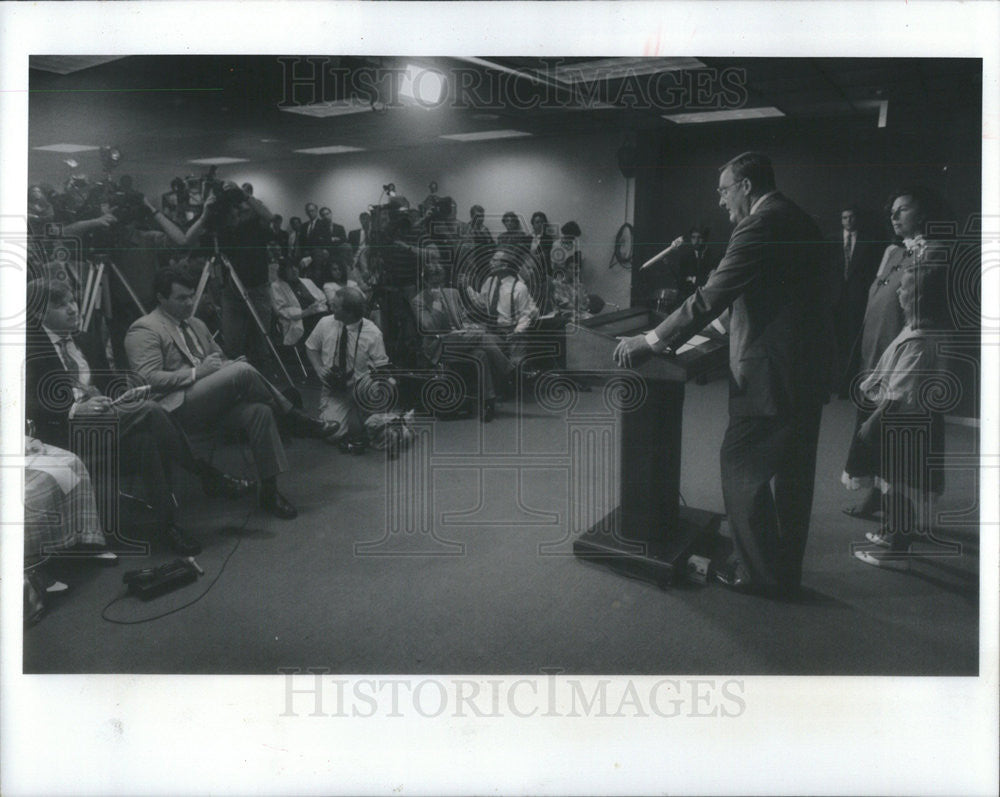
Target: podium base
661, 562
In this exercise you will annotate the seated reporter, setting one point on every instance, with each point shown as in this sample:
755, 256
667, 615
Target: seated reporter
343, 349
65, 380
192, 380
448, 336
297, 303
506, 303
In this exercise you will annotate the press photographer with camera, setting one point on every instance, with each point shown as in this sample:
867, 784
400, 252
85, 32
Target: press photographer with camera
139, 253
241, 229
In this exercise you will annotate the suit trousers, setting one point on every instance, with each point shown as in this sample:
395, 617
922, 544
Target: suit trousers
240, 399
770, 525
483, 351
151, 445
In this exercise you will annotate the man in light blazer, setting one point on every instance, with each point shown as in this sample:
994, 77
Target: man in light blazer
191, 378
68, 384
774, 277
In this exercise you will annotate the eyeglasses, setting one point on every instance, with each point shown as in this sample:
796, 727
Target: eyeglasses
722, 189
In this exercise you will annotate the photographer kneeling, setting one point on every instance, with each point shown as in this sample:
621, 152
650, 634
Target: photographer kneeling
343, 349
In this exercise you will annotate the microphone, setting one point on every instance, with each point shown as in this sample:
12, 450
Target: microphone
656, 258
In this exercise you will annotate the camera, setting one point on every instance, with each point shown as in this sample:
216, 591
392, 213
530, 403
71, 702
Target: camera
337, 378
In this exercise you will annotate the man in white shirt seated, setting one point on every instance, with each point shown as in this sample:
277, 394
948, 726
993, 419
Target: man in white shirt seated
343, 349
506, 303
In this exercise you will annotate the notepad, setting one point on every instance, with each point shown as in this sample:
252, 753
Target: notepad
697, 340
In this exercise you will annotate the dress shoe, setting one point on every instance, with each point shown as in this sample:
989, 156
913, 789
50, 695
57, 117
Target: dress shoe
97, 553
180, 543
276, 504
298, 423
859, 512
216, 482
734, 579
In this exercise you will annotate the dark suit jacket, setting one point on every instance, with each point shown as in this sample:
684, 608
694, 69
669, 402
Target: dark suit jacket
338, 233
683, 262
48, 392
281, 238
773, 276
318, 236
864, 264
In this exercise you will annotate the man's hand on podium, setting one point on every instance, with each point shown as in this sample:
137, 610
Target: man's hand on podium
632, 351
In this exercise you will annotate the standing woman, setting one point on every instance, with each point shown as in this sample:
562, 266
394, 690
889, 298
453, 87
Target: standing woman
906, 428
910, 210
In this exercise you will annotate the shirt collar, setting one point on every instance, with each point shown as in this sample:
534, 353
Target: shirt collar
56, 337
175, 321
755, 205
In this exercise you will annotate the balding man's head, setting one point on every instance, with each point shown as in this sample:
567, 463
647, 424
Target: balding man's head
349, 305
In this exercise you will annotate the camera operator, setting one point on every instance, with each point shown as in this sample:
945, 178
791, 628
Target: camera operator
242, 230
144, 237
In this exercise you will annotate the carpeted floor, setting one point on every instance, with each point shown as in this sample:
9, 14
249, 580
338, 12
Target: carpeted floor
358, 584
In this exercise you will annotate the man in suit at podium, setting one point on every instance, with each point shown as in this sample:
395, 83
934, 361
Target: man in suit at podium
773, 276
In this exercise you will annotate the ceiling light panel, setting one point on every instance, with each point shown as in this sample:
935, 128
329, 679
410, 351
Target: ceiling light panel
220, 161
323, 110
486, 135
734, 115
67, 148
335, 149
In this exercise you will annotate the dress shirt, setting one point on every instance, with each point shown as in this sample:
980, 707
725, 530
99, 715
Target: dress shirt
79, 363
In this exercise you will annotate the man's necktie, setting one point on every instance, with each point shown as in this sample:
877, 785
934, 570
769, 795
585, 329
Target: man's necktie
495, 299
192, 341
847, 255
342, 350
68, 360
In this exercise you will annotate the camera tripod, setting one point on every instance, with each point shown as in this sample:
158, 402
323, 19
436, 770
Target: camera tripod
293, 393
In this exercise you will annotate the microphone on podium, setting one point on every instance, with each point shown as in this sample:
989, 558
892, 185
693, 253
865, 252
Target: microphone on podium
655, 259
658, 257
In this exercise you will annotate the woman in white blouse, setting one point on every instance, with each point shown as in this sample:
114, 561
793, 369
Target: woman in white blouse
297, 303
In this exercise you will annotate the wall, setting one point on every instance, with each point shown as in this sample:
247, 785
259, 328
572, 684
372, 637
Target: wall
571, 177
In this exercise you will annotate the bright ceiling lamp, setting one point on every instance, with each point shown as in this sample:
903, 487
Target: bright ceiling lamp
423, 85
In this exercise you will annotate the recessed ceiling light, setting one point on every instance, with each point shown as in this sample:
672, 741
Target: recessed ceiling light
67, 148
333, 108
486, 135
734, 115
336, 149
218, 161
614, 68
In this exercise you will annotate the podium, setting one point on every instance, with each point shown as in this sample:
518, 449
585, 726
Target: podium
648, 536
